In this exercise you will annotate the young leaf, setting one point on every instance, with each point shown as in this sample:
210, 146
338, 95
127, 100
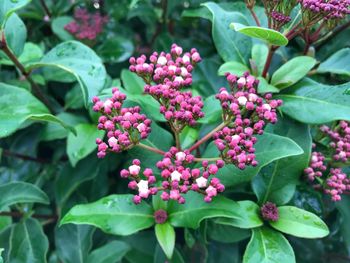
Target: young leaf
195, 210
249, 216
28, 243
299, 223
259, 56
80, 61
271, 36
113, 251
232, 67
114, 214
7, 8
338, 63
315, 103
165, 234
21, 192
267, 246
17, 106
292, 71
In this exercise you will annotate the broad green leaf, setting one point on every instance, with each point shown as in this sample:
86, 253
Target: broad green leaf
265, 87
299, 223
315, 103
277, 181
271, 36
230, 45
292, 71
73, 243
131, 82
188, 136
21, 192
165, 234
269, 148
268, 246
7, 7
249, 216
212, 110
160, 257
116, 49
57, 26
338, 63
15, 34
79, 60
73, 99
233, 67
226, 233
114, 214
28, 243
83, 143
259, 56
17, 106
113, 251
195, 210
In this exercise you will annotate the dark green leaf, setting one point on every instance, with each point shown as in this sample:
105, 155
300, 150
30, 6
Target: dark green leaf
343, 208
338, 63
299, 223
226, 233
114, 214
7, 7
115, 50
165, 234
112, 252
1, 259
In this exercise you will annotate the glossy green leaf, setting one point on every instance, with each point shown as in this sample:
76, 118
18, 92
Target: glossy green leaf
26, 107
268, 246
307, 101
73, 243
113, 251
21, 192
212, 110
15, 34
80, 61
195, 210
265, 87
269, 148
31, 53
114, 214
338, 63
259, 56
165, 234
28, 243
57, 26
7, 7
249, 216
271, 36
299, 223
226, 233
188, 136
160, 257
83, 143
230, 45
232, 67
131, 82
116, 49
292, 71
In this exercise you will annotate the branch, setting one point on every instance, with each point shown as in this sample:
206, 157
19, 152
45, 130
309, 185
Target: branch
46, 9
149, 148
255, 17
23, 157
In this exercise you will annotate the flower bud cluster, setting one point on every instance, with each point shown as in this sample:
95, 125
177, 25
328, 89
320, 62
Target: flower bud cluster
85, 25
317, 166
337, 183
165, 74
246, 114
176, 178
328, 9
269, 212
125, 127
280, 18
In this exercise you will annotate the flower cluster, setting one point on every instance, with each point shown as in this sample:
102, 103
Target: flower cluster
280, 18
337, 183
317, 166
269, 212
85, 25
125, 126
176, 178
246, 114
165, 74
328, 9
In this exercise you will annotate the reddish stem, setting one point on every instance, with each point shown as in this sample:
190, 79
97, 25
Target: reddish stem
268, 61
255, 17
149, 148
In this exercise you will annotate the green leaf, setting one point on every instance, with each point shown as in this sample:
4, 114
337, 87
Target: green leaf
230, 45
188, 136
83, 143
265, 87
259, 56
114, 214
31, 53
299, 223
269, 148
212, 110
15, 34
338, 63
343, 208
307, 101
249, 216
113, 251
233, 67
80, 61
165, 234
277, 181
21, 192
131, 82
28, 243
268, 246
57, 27
73, 243
195, 210
17, 106
292, 71
271, 36
1, 259
226, 233
7, 7
116, 49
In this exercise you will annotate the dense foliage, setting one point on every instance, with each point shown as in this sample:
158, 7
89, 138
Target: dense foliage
174, 131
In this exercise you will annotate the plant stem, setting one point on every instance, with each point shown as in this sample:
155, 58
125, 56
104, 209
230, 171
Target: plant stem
207, 159
268, 61
19, 215
36, 90
23, 157
46, 9
333, 34
255, 16
207, 137
149, 148
177, 140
